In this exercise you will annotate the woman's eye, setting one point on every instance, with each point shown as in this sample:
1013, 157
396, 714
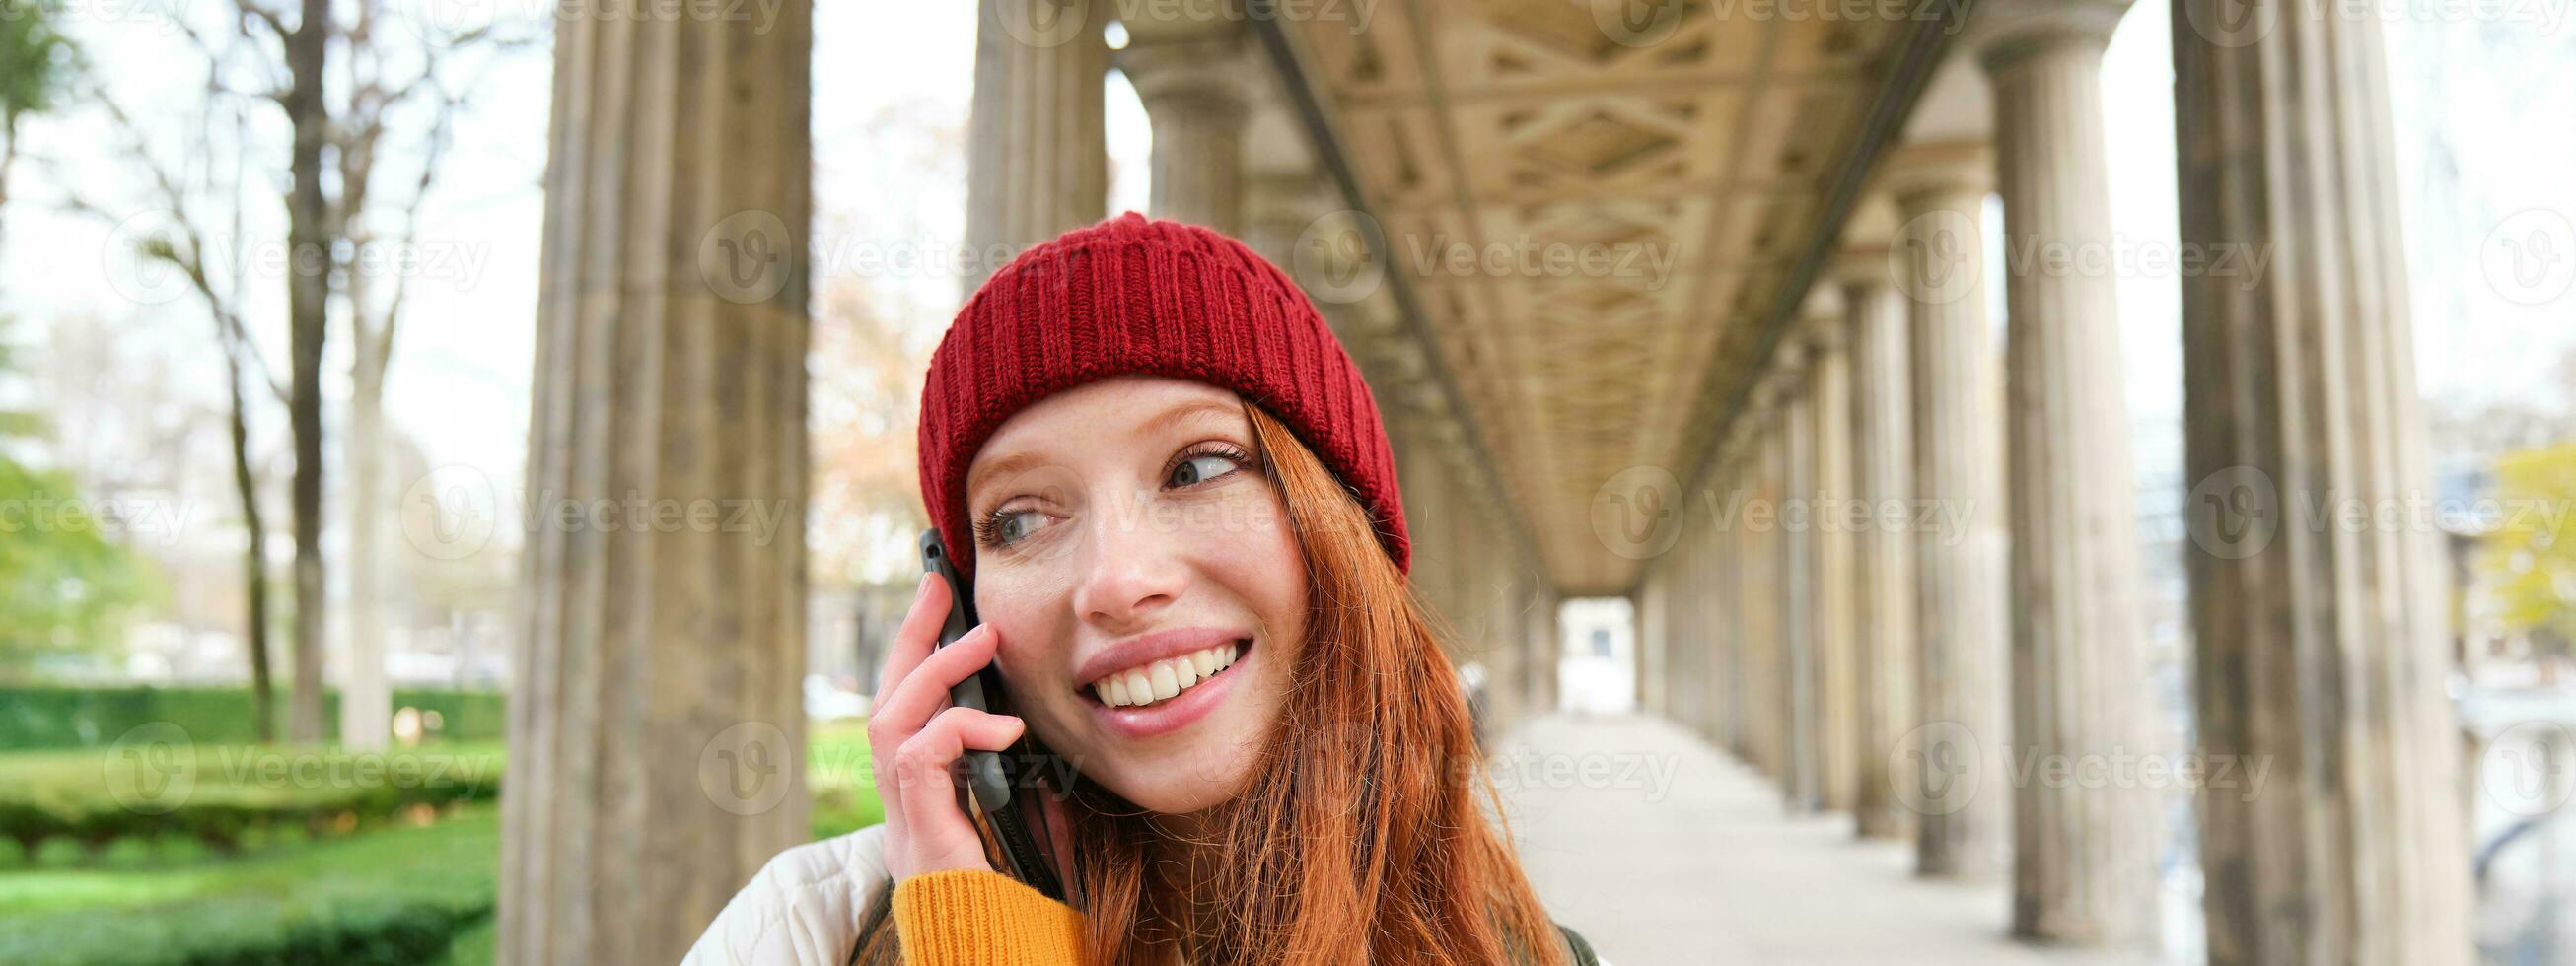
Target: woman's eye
1201, 468
1007, 528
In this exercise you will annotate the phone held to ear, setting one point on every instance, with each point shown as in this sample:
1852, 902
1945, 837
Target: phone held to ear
995, 778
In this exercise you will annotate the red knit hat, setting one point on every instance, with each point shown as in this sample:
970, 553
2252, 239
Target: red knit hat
1133, 296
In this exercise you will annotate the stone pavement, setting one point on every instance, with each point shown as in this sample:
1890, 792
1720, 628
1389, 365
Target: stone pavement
1661, 850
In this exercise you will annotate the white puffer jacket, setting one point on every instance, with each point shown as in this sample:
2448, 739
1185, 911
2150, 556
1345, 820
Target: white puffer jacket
802, 909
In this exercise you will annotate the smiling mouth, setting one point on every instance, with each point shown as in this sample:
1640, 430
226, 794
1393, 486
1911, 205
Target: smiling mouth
1153, 683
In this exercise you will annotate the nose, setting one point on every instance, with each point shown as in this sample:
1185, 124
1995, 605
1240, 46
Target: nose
1134, 570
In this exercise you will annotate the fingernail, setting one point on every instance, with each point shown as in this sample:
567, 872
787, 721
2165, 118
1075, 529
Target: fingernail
922, 591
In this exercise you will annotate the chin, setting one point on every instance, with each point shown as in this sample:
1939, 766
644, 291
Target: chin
1181, 787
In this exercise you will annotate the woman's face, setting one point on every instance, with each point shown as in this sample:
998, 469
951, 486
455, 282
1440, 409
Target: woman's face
1126, 548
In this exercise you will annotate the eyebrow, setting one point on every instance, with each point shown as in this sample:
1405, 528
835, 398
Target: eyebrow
1179, 414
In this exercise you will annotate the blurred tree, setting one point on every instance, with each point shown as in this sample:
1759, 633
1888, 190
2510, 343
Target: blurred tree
36, 62
64, 587
358, 87
879, 308
2531, 555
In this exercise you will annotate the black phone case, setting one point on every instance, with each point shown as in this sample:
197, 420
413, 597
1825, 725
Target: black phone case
992, 777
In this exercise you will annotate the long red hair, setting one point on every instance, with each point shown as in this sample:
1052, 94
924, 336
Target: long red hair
1362, 838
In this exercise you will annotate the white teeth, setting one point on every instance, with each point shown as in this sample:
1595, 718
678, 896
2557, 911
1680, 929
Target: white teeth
1162, 679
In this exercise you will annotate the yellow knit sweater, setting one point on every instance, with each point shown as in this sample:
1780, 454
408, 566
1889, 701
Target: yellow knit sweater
973, 917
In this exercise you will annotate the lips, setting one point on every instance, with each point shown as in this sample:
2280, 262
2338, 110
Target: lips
1116, 668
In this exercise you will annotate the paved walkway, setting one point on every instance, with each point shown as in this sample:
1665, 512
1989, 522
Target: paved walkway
1661, 850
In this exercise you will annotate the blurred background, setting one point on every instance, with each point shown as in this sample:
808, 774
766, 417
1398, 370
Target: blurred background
2019, 481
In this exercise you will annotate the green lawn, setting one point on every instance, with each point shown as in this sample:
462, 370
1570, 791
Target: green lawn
389, 890
397, 895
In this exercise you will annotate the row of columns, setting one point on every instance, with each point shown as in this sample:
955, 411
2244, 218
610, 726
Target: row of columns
1924, 677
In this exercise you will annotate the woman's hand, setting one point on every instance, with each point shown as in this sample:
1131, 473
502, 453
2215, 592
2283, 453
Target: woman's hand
915, 738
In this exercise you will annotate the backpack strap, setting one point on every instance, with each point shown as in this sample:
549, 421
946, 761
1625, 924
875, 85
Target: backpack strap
1581, 950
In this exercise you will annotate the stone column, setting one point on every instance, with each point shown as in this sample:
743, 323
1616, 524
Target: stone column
656, 721
1883, 472
1938, 261
1725, 607
1803, 778
1191, 80
2322, 650
1832, 596
2084, 858
1742, 604
1036, 162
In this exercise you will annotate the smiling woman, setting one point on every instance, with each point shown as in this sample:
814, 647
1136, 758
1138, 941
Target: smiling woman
1172, 498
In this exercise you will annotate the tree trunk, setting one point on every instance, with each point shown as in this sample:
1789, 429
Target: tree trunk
308, 305
263, 693
365, 703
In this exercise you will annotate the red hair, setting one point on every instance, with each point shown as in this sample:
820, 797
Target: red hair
1360, 837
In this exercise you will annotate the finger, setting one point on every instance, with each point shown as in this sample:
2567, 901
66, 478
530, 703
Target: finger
917, 695
929, 786
918, 633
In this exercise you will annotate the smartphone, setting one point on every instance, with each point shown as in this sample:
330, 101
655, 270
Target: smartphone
994, 779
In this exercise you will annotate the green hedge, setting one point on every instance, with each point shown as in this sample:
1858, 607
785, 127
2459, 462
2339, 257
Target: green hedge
61, 717
234, 794
399, 896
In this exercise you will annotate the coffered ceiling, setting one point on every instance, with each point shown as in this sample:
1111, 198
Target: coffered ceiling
1697, 145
